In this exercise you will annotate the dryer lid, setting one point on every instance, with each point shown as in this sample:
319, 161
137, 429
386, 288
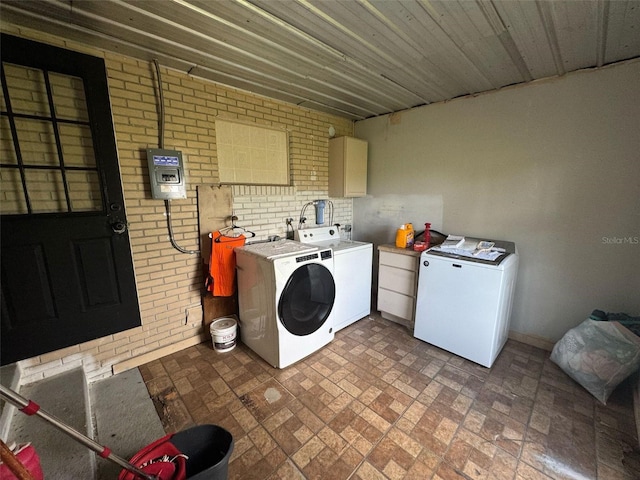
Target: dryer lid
508, 248
278, 249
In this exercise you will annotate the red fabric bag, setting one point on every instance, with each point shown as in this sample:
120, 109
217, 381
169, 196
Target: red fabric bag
160, 458
28, 457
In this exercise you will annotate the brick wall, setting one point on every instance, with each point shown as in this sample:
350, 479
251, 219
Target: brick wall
170, 283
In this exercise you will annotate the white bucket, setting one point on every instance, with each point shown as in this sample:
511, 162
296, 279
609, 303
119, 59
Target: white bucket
223, 334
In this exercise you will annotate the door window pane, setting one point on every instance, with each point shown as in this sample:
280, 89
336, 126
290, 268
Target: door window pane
27, 90
84, 191
7, 150
3, 105
46, 191
77, 145
37, 142
12, 195
68, 97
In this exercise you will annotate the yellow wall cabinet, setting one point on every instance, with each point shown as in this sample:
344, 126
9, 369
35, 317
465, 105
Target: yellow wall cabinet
347, 167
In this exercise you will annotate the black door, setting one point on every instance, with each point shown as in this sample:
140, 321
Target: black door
307, 299
67, 273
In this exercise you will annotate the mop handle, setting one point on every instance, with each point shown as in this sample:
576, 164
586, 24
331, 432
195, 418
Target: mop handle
31, 408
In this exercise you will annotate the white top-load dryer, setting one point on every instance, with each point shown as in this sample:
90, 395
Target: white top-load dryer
464, 301
286, 295
352, 272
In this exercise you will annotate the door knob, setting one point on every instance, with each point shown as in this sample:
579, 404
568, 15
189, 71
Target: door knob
119, 227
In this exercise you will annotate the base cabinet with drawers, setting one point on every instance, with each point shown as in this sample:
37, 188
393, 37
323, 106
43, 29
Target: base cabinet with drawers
397, 284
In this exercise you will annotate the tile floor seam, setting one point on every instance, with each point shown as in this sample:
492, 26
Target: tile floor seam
525, 435
527, 427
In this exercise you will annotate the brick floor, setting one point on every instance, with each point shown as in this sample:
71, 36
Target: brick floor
377, 403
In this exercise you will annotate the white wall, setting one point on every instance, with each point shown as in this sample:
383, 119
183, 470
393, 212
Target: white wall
553, 166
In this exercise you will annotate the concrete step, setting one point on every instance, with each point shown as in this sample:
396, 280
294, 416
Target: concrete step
116, 412
125, 418
10, 378
66, 397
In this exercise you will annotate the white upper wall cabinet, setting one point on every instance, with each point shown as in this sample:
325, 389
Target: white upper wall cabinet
347, 167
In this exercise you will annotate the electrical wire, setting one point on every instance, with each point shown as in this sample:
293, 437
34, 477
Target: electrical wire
161, 98
167, 202
167, 206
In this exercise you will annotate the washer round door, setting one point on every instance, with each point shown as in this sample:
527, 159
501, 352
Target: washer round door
307, 299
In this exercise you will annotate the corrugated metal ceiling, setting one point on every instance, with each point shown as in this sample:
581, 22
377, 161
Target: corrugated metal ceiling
356, 59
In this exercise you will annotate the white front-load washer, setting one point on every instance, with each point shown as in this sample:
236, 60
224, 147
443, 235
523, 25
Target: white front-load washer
352, 266
286, 293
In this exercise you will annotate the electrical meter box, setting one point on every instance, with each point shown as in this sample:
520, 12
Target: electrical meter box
166, 172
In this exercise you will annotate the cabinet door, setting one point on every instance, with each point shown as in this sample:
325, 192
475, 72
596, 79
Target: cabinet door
355, 174
347, 167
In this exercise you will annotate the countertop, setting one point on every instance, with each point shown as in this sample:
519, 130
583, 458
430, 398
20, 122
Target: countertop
393, 249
